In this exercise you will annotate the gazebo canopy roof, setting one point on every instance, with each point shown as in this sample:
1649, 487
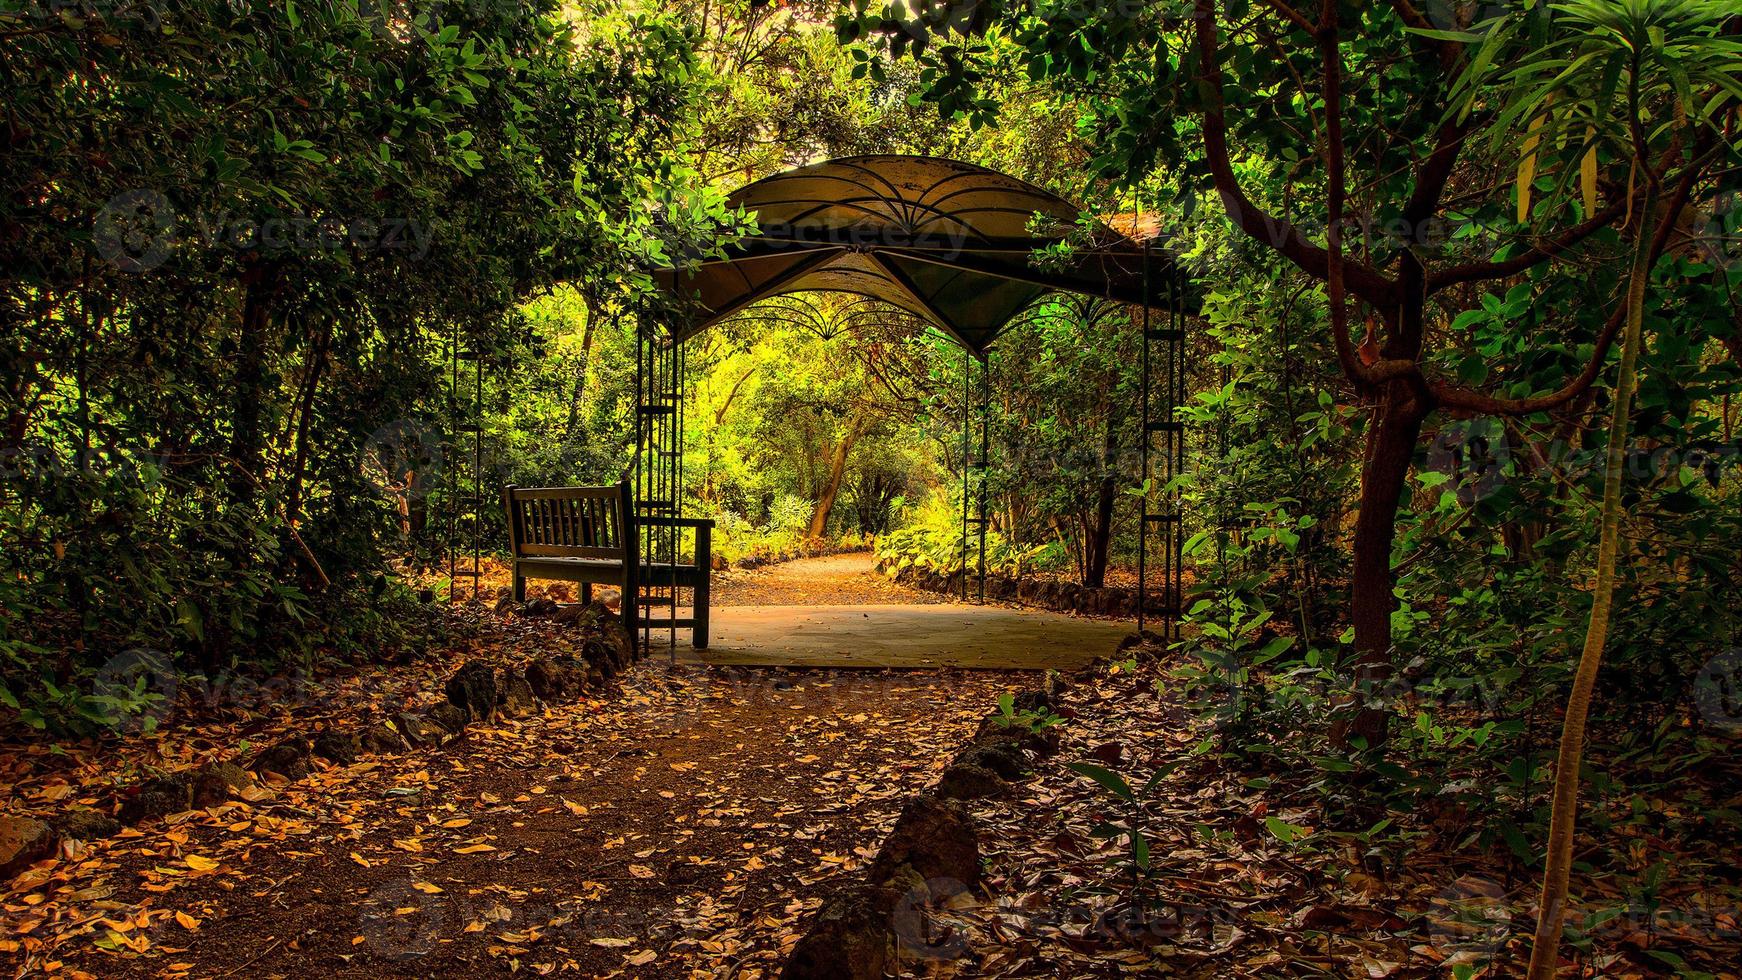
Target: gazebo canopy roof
949, 242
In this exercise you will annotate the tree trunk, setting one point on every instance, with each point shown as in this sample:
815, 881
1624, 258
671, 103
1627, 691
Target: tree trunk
1551, 913
247, 437
305, 408
583, 370
1099, 540
1391, 440
831, 487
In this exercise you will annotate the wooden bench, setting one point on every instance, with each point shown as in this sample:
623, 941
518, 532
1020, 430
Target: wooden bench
590, 535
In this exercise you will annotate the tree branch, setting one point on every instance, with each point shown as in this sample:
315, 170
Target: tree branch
1293, 16
1459, 397
1336, 194
1257, 223
1537, 253
1432, 177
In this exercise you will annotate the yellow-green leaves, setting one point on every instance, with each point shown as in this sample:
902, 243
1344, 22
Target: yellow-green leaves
1527, 168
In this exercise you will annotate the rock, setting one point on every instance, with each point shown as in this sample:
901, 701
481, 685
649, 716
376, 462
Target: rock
852, 938
472, 689
1042, 743
601, 657
936, 837
341, 748
515, 696
215, 782
969, 782
561, 679
574, 615
158, 797
450, 719
417, 730
289, 758
23, 842
86, 824
381, 738
1001, 757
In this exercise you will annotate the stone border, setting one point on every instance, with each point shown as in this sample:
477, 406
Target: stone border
476, 692
1115, 602
753, 562
864, 929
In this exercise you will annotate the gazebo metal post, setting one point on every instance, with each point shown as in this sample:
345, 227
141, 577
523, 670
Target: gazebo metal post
1169, 518
984, 463
643, 421
657, 474
1177, 460
1143, 459
967, 419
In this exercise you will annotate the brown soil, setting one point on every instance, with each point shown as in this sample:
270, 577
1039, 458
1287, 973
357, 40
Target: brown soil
838, 580
682, 826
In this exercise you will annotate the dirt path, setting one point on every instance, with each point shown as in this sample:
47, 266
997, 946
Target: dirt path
837, 580
682, 827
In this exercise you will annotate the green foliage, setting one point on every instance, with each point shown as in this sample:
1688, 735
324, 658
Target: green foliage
941, 549
241, 241
1134, 823
1028, 719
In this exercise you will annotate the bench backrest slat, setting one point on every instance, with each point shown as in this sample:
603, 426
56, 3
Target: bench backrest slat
567, 522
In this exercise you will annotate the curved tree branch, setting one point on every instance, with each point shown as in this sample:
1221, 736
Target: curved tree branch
1536, 253
1467, 399
1257, 223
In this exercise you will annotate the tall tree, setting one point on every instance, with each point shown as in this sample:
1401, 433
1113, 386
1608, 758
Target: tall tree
1323, 133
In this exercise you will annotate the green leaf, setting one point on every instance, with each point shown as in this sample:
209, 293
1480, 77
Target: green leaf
1283, 831
1109, 780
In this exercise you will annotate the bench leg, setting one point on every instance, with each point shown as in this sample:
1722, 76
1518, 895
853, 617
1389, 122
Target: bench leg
699, 632
586, 593
626, 609
519, 587
705, 565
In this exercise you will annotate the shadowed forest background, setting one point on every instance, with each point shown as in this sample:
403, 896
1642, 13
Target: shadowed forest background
240, 243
